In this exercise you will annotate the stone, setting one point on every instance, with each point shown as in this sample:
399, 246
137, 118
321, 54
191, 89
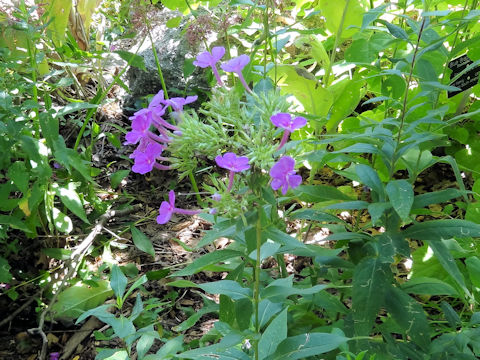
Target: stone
172, 50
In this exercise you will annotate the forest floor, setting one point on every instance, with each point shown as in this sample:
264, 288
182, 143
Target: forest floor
174, 245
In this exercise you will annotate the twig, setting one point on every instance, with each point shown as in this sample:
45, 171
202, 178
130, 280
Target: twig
20, 309
71, 268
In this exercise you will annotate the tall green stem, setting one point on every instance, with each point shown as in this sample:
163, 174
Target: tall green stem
405, 98
257, 281
33, 65
338, 35
195, 187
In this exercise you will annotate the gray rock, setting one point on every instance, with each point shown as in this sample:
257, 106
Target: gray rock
172, 50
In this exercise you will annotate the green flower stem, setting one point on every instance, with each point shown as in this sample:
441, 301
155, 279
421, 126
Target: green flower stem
257, 281
33, 65
157, 62
195, 188
326, 78
99, 98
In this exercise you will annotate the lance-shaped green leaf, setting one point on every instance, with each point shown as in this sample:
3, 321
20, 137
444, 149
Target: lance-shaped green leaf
307, 345
409, 315
206, 260
442, 229
275, 333
370, 178
70, 199
400, 194
370, 280
227, 287
118, 281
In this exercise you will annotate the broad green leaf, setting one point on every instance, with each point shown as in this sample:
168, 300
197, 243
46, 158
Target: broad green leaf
400, 193
266, 310
5, 275
145, 343
141, 241
315, 215
193, 319
132, 59
61, 221
227, 287
174, 22
317, 50
224, 350
273, 335
314, 98
112, 354
333, 12
74, 107
74, 301
348, 205
140, 281
473, 268
435, 197
307, 345
446, 259
70, 199
206, 260
409, 315
58, 13
346, 96
14, 223
171, 347
279, 293
370, 281
117, 177
372, 15
451, 315
268, 248
376, 211
319, 193
395, 30
226, 228
428, 286
442, 229
182, 284
118, 281
18, 173
122, 327
370, 178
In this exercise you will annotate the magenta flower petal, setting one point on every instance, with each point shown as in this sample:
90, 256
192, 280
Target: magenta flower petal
206, 59
171, 198
284, 176
231, 162
217, 53
298, 123
237, 64
285, 121
281, 120
157, 100
143, 163
165, 213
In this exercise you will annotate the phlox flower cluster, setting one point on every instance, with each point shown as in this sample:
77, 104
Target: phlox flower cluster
209, 59
150, 145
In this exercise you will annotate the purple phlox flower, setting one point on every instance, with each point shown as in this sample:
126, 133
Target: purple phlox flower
206, 59
285, 121
145, 158
54, 356
167, 209
216, 197
234, 164
213, 211
140, 129
284, 176
157, 100
177, 103
236, 65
